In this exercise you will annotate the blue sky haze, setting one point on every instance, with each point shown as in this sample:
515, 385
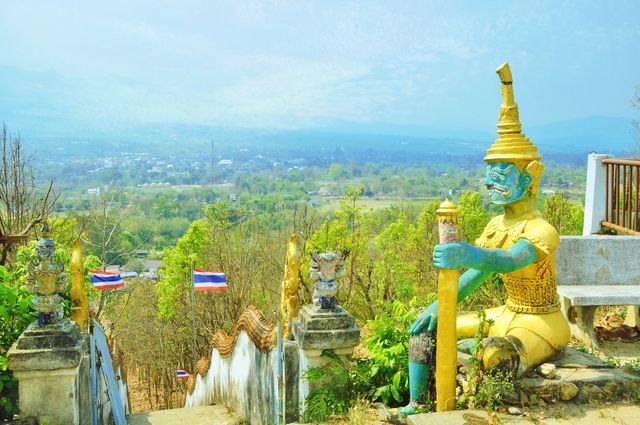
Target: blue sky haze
362, 66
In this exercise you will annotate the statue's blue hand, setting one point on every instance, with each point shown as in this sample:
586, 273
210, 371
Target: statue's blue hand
427, 319
455, 255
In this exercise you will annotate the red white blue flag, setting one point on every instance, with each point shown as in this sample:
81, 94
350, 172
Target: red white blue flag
209, 281
106, 280
182, 374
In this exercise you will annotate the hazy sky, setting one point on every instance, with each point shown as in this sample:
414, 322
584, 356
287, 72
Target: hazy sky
305, 64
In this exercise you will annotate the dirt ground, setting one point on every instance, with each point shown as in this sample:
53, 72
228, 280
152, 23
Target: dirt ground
617, 341
139, 400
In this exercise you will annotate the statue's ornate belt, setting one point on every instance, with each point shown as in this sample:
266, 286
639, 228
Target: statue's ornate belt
531, 295
517, 308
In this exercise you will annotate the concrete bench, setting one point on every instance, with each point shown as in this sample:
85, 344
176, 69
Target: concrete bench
597, 270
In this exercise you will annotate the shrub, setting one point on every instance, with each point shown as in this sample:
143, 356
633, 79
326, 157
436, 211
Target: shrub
15, 315
335, 391
385, 370
486, 389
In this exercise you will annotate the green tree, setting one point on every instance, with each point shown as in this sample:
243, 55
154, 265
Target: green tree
473, 217
349, 231
394, 273
335, 171
566, 217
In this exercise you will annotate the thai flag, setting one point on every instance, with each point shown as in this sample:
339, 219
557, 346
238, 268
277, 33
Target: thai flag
182, 374
106, 280
209, 281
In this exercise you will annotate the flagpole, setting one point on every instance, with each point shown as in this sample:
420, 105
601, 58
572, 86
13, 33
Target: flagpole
213, 181
193, 320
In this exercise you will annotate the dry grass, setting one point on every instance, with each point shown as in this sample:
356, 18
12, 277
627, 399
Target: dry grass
362, 413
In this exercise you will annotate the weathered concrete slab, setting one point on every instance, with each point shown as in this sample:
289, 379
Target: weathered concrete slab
586, 295
628, 415
576, 359
597, 384
598, 260
201, 415
581, 377
462, 417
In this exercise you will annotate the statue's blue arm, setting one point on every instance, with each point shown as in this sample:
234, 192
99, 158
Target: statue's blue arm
481, 263
459, 255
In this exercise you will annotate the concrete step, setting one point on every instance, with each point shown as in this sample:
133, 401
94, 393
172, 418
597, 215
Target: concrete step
589, 415
201, 415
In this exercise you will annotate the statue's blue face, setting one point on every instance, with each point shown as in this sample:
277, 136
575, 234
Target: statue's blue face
505, 183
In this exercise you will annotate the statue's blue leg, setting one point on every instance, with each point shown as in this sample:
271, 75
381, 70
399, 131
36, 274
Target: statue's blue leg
421, 361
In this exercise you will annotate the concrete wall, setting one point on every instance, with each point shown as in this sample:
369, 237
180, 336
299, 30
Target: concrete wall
594, 203
246, 381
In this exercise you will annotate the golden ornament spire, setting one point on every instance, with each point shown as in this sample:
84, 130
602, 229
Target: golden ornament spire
511, 145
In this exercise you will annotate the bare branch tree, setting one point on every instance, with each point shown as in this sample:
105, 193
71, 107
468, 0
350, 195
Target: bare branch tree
22, 205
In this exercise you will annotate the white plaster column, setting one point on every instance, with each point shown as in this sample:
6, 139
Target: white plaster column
594, 203
633, 316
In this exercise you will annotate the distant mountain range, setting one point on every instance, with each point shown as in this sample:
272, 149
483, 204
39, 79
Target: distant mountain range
47, 108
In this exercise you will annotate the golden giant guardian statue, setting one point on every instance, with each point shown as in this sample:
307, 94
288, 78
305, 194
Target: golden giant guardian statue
520, 246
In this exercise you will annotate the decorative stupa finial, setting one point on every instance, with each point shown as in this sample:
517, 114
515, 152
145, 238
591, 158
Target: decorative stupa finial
512, 145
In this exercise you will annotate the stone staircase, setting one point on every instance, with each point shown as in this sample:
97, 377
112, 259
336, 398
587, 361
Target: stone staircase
201, 415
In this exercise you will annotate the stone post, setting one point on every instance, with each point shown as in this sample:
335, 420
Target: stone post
324, 325
51, 364
50, 359
317, 329
594, 203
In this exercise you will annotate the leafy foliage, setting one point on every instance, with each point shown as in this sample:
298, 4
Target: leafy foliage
473, 217
492, 390
485, 389
15, 314
565, 216
387, 363
16, 309
334, 391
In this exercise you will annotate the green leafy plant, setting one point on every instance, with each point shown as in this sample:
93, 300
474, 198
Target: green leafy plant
485, 389
334, 390
633, 365
387, 362
492, 389
15, 314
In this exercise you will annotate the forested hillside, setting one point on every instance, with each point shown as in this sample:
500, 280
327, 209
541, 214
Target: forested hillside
381, 215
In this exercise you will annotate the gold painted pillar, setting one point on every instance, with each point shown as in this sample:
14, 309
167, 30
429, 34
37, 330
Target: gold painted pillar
80, 307
446, 347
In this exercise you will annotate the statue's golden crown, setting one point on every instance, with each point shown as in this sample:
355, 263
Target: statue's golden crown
512, 145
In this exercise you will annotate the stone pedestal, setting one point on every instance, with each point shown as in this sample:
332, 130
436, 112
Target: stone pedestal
316, 330
51, 364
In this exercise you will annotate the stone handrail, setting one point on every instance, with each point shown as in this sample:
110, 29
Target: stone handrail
253, 322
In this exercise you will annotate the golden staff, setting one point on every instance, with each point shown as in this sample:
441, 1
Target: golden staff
446, 353
80, 308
